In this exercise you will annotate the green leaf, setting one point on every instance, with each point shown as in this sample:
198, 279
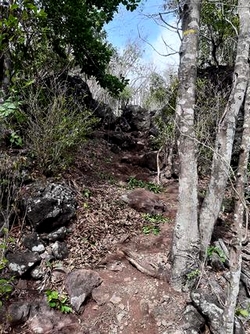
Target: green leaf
66, 309
14, 6
52, 304
146, 229
54, 295
156, 230
63, 299
242, 312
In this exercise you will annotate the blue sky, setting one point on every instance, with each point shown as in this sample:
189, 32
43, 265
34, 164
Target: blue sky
138, 27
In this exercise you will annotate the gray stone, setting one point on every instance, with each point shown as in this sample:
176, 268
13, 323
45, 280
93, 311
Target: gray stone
47, 256
58, 234
18, 313
37, 273
80, 284
21, 262
33, 243
59, 250
105, 113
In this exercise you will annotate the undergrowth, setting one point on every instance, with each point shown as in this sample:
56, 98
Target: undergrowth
135, 183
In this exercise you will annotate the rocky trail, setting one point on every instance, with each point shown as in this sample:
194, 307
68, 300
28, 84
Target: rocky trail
116, 241
116, 269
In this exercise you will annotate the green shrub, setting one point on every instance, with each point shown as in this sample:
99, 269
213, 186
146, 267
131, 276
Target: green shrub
11, 117
135, 183
55, 128
155, 230
6, 288
193, 274
154, 220
58, 301
216, 250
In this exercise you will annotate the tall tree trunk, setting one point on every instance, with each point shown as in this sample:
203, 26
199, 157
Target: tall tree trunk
185, 248
225, 133
240, 212
5, 62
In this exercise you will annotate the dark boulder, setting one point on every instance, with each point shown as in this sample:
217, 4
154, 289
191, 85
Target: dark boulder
21, 262
123, 140
137, 117
104, 113
33, 243
50, 207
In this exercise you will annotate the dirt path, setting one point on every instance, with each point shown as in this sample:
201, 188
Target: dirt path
129, 300
108, 237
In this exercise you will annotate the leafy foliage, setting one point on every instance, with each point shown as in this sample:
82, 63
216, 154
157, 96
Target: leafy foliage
213, 249
164, 120
193, 274
242, 312
154, 220
155, 230
134, 183
157, 91
218, 34
5, 241
55, 127
219, 24
6, 288
58, 301
68, 33
10, 117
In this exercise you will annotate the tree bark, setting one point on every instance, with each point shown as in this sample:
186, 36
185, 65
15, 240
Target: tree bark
225, 133
5, 62
240, 212
185, 248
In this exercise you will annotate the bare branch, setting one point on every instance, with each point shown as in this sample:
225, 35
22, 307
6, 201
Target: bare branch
151, 45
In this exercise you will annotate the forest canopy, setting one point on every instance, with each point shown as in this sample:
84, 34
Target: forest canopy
56, 36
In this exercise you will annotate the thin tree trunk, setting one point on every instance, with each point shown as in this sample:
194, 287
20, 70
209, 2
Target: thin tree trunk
185, 248
225, 133
5, 57
240, 212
